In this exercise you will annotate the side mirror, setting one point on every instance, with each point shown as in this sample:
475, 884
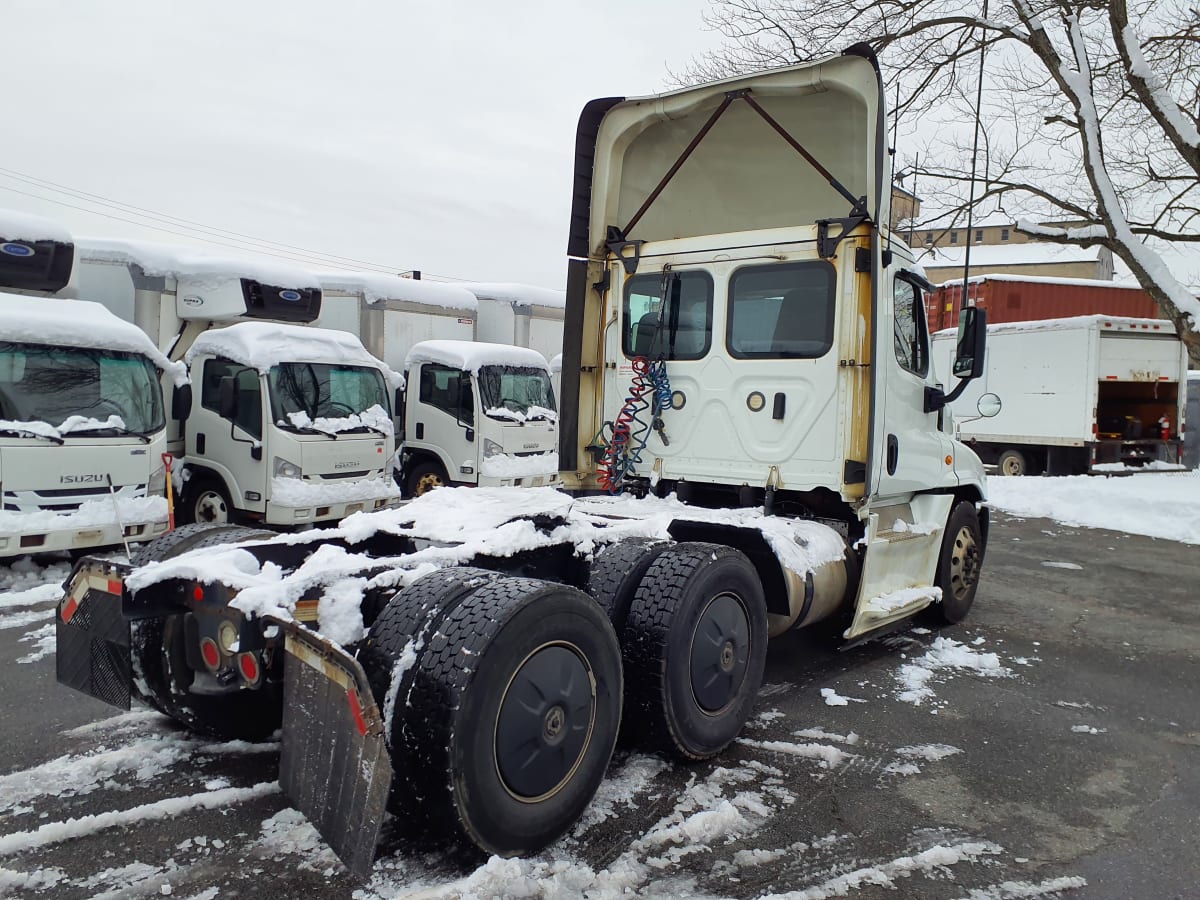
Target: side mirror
228, 397
181, 402
398, 403
988, 405
466, 403
972, 342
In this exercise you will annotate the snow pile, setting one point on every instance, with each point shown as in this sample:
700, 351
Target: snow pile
21, 580
296, 492
91, 514
1161, 505
833, 698
23, 226
78, 323
471, 356
885, 874
373, 417
288, 831
827, 757
197, 266
1023, 890
261, 345
43, 639
889, 603
505, 465
945, 654
379, 287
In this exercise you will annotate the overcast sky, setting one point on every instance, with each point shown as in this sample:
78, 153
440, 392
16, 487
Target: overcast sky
436, 136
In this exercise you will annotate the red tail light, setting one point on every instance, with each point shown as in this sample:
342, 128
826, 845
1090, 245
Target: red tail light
248, 666
210, 653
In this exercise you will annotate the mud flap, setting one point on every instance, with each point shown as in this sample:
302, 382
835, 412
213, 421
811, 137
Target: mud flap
334, 766
92, 637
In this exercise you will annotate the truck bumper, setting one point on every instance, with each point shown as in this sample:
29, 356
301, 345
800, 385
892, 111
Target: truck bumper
39, 539
288, 516
547, 479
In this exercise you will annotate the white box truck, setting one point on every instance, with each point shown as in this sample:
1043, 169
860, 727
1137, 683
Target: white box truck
290, 424
82, 422
477, 408
1075, 394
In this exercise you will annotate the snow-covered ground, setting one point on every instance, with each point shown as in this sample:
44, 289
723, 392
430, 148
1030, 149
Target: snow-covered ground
1156, 504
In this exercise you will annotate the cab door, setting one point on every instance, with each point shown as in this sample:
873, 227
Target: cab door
443, 419
910, 449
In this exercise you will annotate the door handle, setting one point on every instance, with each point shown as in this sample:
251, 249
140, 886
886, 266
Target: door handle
893, 453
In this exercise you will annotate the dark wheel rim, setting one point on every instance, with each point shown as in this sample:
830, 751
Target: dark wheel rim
964, 563
545, 722
211, 508
720, 653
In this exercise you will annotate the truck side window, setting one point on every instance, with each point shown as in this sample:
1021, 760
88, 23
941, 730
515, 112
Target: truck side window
443, 388
781, 311
911, 334
249, 411
643, 309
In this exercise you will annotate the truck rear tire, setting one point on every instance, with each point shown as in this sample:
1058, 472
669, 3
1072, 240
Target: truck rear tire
1012, 463
424, 477
161, 676
512, 716
695, 648
958, 566
615, 574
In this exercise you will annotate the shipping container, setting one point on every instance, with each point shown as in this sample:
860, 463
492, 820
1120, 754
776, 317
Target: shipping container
1011, 298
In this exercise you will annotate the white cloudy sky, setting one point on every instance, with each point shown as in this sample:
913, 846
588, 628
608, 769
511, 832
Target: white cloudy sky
436, 136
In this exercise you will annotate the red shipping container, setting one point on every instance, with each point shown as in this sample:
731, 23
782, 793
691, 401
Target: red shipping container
1011, 298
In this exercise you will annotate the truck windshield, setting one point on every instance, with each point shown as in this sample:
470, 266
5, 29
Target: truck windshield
517, 389
324, 390
40, 383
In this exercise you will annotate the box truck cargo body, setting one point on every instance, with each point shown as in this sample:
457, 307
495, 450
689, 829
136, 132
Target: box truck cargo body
1075, 394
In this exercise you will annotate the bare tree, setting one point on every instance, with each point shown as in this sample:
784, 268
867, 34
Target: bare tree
1091, 110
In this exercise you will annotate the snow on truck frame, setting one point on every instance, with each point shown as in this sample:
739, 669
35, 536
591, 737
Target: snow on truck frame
745, 335
82, 424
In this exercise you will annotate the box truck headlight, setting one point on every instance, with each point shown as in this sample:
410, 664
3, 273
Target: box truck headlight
491, 448
157, 485
285, 469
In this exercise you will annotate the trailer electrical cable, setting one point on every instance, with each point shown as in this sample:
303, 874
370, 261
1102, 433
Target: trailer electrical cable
649, 391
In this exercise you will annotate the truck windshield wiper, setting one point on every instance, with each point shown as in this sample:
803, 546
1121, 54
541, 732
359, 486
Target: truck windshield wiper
306, 429
140, 435
22, 432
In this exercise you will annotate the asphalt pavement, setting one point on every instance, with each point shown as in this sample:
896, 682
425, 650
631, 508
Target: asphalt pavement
1072, 755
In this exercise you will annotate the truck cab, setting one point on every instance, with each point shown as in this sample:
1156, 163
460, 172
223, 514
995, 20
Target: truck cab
82, 419
479, 414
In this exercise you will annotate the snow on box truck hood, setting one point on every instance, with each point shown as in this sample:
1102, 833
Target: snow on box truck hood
261, 345
78, 323
379, 287
471, 356
22, 226
742, 176
171, 261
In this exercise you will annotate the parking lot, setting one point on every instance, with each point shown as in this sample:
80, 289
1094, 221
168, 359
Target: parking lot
1051, 743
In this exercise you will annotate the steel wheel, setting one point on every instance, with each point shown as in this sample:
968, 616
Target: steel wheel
428, 482
964, 563
545, 722
1012, 463
959, 565
210, 507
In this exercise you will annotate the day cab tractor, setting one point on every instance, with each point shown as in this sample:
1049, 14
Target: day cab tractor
751, 441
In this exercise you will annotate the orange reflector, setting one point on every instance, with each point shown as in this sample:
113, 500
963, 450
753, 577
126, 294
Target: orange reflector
69, 609
115, 586
356, 710
212, 656
949, 460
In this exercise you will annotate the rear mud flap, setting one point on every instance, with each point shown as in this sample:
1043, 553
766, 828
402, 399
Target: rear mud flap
92, 635
335, 766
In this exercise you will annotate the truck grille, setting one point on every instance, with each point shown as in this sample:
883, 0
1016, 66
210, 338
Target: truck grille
64, 500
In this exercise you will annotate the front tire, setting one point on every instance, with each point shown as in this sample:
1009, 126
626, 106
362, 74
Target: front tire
958, 565
208, 503
695, 649
424, 477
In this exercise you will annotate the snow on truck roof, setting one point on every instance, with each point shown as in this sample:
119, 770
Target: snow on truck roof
173, 261
377, 286
471, 356
77, 323
1103, 323
261, 345
23, 226
510, 292
1045, 279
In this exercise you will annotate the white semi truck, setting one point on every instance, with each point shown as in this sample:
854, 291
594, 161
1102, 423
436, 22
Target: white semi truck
290, 425
82, 420
478, 407
1075, 394
742, 333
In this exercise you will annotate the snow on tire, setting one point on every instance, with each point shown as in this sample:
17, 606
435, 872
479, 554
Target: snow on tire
695, 649
512, 716
617, 571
